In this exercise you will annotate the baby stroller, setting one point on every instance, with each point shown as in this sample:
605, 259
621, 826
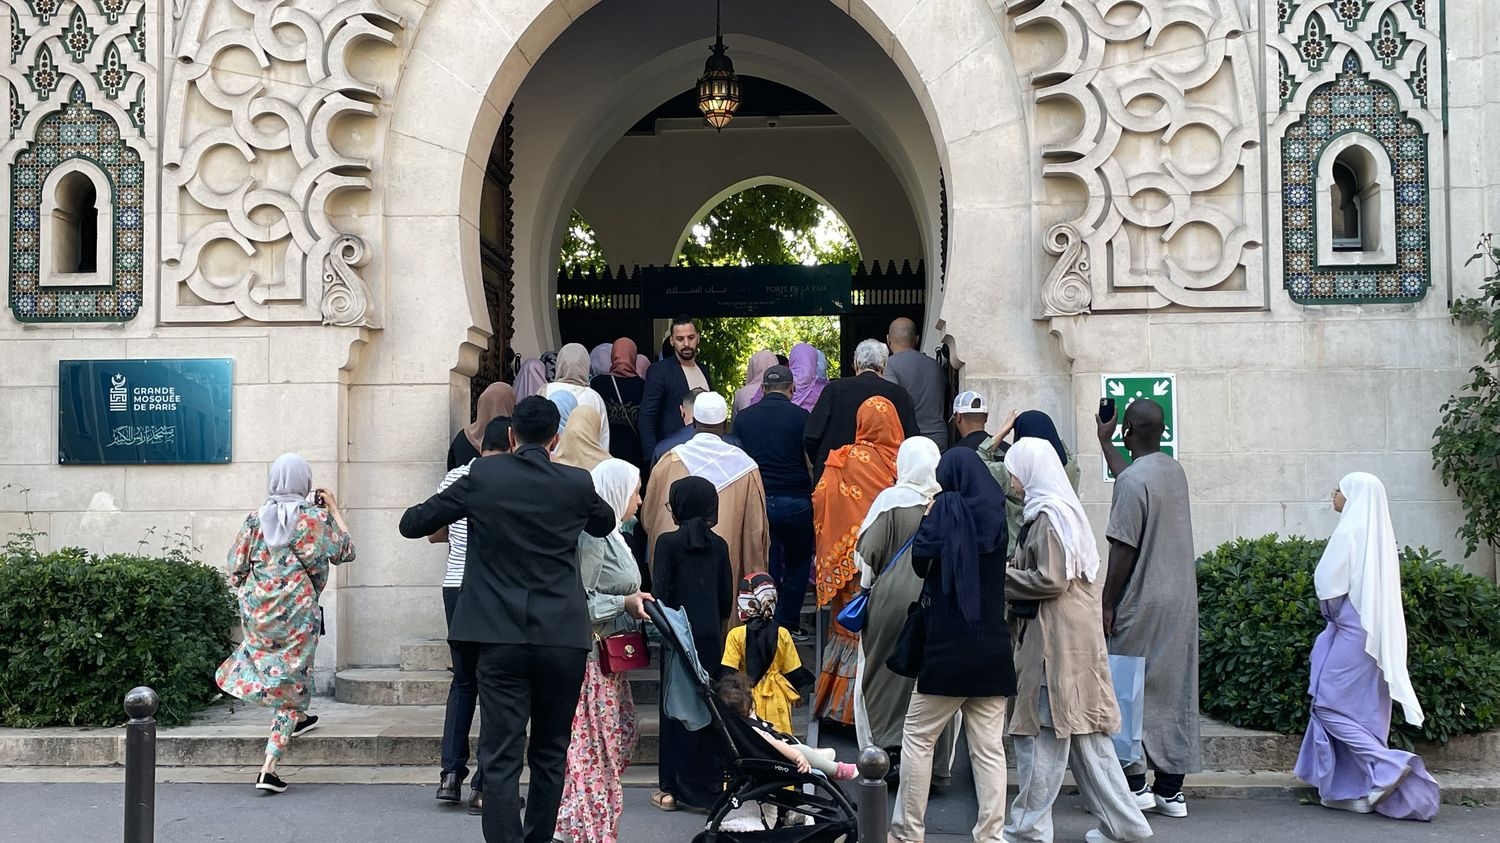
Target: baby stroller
757, 774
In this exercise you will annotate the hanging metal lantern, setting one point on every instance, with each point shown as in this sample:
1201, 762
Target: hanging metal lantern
718, 88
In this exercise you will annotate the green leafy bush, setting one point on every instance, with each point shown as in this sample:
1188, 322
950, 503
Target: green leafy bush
77, 631
1258, 616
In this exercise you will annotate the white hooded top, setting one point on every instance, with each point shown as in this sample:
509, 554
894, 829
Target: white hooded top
916, 485
1035, 464
1362, 562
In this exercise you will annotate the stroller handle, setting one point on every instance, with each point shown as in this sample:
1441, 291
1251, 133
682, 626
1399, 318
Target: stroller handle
654, 613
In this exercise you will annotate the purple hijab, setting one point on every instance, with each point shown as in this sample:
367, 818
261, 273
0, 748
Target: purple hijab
531, 378
806, 387
600, 360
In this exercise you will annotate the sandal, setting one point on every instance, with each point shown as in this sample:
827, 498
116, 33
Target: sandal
664, 801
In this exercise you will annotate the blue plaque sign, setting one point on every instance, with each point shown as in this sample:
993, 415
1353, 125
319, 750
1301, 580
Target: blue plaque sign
144, 411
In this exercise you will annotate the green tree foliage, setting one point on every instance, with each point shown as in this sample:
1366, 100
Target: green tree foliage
1258, 616
769, 225
766, 225
729, 342
1466, 446
580, 247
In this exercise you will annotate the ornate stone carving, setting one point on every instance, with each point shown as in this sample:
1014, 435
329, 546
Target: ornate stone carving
1066, 291
75, 68
251, 160
345, 300
1354, 66
1150, 107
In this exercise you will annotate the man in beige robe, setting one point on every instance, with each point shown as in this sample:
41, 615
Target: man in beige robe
742, 497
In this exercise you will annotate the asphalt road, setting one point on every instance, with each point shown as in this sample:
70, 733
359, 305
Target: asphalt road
340, 813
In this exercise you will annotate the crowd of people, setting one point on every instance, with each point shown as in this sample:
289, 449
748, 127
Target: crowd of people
973, 594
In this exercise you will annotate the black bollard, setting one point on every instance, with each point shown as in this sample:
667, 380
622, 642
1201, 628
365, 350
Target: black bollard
872, 796
140, 765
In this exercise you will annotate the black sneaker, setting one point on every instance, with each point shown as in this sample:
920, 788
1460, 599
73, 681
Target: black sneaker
305, 725
270, 783
800, 635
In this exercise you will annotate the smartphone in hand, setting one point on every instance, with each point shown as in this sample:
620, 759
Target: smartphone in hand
1106, 410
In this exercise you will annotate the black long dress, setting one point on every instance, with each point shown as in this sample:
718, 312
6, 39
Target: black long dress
700, 583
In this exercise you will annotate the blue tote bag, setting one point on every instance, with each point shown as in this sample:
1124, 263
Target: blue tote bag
1129, 674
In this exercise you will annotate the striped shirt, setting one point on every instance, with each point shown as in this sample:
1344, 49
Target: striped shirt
458, 534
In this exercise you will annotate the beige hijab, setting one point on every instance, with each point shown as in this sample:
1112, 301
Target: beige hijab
498, 399
579, 445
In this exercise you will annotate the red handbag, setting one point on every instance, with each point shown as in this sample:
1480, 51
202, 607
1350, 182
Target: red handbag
623, 651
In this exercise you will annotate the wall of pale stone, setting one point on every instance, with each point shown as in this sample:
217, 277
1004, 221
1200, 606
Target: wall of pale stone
1277, 399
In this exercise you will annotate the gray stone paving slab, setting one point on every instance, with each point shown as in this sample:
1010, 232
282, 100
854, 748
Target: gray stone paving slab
359, 813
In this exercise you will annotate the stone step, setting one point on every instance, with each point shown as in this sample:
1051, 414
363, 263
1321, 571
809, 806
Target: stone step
432, 654
347, 735
427, 654
353, 743
388, 686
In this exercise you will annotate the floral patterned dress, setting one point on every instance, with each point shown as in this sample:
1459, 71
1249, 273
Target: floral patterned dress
278, 595
604, 724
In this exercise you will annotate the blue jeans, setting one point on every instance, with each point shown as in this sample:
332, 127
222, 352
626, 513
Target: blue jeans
791, 521
463, 695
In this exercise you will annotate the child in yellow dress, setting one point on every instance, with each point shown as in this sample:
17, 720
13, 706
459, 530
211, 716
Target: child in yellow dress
764, 651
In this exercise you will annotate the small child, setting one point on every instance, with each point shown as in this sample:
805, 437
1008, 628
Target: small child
764, 651
733, 689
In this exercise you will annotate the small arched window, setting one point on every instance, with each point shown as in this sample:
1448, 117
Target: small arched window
1344, 210
77, 227
1356, 203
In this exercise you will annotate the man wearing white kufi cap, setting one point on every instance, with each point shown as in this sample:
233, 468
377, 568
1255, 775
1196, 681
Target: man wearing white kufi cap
742, 497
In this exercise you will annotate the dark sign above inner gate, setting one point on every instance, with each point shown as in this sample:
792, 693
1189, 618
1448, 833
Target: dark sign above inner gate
746, 290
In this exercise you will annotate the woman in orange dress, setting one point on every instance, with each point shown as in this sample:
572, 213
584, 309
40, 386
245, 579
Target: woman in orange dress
852, 477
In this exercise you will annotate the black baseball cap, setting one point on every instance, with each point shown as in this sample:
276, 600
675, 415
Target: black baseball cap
777, 376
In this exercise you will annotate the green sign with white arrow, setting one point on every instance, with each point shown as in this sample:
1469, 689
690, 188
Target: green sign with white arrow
1160, 387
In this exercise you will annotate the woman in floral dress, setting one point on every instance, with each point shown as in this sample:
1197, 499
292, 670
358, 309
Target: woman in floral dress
604, 729
278, 567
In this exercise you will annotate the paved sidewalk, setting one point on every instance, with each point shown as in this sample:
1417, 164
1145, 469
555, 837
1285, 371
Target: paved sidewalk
363, 813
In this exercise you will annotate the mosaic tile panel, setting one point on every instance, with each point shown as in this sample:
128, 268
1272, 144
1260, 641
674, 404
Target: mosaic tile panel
77, 132
1354, 103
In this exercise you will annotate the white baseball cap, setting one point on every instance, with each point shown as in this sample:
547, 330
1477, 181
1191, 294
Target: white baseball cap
969, 401
710, 408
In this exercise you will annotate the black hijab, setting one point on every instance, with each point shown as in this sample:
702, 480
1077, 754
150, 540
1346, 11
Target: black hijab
967, 520
695, 507
1038, 425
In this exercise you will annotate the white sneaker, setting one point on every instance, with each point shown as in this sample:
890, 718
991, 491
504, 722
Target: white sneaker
1144, 799
1094, 835
1173, 806
1358, 806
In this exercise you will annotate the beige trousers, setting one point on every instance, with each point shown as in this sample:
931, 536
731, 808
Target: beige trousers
984, 726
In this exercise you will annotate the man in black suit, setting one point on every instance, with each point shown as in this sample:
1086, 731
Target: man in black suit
668, 382
522, 602
832, 423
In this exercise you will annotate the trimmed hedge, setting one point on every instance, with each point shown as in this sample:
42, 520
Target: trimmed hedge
77, 631
1258, 616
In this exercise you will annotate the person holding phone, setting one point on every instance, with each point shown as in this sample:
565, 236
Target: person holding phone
278, 567
1150, 601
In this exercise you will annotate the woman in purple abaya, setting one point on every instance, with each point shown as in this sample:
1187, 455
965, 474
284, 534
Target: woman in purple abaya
1359, 667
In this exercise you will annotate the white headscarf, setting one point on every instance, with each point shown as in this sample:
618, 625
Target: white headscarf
1362, 561
291, 481
708, 456
916, 485
615, 481
1035, 464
